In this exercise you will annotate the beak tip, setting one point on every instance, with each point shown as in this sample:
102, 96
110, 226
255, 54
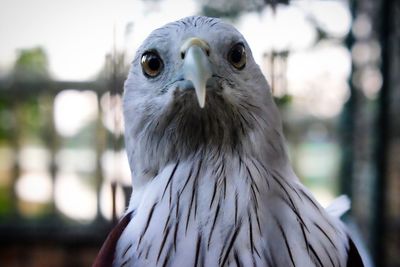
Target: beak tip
201, 95
201, 101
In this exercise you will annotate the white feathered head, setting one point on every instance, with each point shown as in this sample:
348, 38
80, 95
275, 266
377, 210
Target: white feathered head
193, 88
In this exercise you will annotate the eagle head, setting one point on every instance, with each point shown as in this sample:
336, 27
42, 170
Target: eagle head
194, 87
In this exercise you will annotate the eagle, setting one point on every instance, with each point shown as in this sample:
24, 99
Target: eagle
212, 182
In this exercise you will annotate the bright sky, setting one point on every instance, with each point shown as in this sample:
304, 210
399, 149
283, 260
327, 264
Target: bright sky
77, 34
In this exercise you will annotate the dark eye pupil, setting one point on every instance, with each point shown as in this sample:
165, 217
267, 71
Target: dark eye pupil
154, 63
236, 55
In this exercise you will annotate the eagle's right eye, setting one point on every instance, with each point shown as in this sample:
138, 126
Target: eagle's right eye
152, 64
237, 56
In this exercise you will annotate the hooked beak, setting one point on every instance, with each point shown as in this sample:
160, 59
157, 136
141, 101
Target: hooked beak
196, 66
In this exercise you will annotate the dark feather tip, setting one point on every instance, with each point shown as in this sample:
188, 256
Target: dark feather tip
354, 258
106, 254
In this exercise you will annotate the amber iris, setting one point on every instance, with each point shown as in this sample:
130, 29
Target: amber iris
152, 64
237, 56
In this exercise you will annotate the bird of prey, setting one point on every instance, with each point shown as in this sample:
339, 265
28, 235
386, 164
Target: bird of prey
212, 183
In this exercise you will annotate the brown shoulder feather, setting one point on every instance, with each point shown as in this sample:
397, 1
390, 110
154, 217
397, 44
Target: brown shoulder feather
106, 254
353, 258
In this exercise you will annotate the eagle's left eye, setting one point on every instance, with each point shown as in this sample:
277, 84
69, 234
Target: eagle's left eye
237, 56
152, 64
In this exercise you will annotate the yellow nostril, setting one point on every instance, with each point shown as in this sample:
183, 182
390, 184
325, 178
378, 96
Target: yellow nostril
194, 41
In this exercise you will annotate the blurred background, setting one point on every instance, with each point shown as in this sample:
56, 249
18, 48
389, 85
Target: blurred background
64, 177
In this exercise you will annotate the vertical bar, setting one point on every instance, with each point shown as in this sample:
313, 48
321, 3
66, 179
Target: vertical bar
53, 146
382, 139
114, 201
273, 75
347, 128
285, 56
16, 171
100, 145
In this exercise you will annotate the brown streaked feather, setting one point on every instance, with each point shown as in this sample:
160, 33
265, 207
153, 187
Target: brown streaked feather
106, 254
353, 258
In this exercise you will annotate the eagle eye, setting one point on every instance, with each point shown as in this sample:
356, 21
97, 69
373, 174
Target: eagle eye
152, 64
237, 56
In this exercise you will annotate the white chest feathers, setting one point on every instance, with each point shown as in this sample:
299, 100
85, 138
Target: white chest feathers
228, 213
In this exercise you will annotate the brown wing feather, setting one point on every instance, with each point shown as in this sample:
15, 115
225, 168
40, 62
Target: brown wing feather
353, 258
106, 254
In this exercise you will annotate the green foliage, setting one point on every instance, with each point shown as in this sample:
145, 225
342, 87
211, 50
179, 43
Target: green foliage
217, 13
5, 201
284, 100
31, 65
233, 8
230, 8
30, 117
7, 119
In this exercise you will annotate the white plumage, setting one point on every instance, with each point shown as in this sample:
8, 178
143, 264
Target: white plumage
213, 186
